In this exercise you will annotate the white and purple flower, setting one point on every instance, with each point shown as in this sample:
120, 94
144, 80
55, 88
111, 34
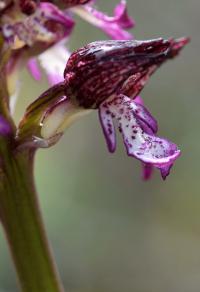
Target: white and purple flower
108, 76
40, 28
105, 75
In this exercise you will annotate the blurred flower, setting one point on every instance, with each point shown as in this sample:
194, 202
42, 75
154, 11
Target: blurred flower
27, 36
5, 127
46, 26
33, 27
107, 75
115, 27
58, 55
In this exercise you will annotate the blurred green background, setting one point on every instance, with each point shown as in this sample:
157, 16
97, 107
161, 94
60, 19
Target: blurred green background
110, 231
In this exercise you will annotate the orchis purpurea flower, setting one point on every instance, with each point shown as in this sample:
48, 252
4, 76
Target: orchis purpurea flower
115, 27
108, 76
38, 30
103, 76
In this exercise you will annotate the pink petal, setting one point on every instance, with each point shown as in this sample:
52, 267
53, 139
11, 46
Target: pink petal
108, 127
138, 99
122, 17
53, 62
113, 26
147, 171
34, 69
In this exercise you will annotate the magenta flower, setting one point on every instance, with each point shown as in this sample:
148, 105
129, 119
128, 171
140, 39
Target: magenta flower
108, 76
41, 29
31, 35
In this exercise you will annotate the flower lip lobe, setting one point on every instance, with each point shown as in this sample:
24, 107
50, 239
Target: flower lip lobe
138, 130
100, 69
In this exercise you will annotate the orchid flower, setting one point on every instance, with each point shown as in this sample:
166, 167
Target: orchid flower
34, 28
108, 76
103, 76
115, 27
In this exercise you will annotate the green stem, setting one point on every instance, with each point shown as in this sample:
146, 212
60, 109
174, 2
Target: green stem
23, 225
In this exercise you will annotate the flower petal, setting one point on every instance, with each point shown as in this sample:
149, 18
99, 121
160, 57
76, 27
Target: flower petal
34, 69
144, 116
138, 99
114, 26
165, 171
58, 55
56, 16
108, 127
26, 31
121, 16
5, 128
48, 25
147, 148
147, 170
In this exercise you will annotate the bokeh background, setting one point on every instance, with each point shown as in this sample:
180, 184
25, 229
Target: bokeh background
110, 231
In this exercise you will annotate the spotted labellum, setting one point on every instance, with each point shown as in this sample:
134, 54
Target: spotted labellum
107, 76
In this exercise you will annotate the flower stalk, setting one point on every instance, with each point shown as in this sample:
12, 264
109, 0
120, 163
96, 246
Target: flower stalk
22, 222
